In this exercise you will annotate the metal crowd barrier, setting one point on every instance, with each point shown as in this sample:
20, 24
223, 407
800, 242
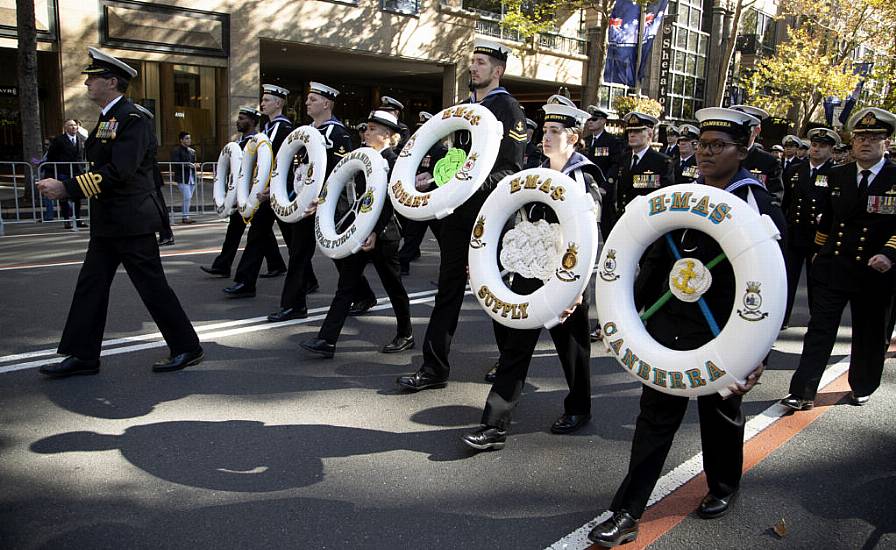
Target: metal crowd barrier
17, 202
203, 196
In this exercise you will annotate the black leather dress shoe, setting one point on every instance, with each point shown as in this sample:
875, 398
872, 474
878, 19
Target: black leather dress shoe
797, 403
492, 374
320, 347
360, 308
421, 381
486, 438
715, 507
620, 528
311, 289
568, 423
179, 361
71, 366
288, 313
240, 290
215, 272
273, 273
399, 343
858, 400
166, 242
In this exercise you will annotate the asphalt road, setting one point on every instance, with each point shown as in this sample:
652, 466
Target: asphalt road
263, 446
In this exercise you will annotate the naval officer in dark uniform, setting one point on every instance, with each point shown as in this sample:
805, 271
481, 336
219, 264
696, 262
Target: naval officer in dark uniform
764, 166
805, 198
641, 170
124, 217
791, 145
857, 240
395, 108
246, 124
679, 325
686, 163
487, 66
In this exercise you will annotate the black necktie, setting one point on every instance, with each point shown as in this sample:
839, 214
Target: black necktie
863, 184
634, 162
812, 174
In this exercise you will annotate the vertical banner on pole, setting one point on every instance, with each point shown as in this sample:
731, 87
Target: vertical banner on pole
653, 19
623, 38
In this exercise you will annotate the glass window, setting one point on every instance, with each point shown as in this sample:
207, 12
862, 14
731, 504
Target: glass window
689, 85
679, 61
687, 110
682, 38
701, 66
676, 107
695, 18
410, 7
692, 42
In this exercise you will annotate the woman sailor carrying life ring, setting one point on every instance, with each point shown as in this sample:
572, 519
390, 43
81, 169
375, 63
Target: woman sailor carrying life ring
692, 319
562, 132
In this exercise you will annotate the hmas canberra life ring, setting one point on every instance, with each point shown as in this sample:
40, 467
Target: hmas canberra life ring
308, 181
366, 208
748, 239
226, 174
255, 173
568, 271
461, 179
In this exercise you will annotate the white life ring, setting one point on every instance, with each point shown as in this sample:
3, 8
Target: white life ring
486, 133
570, 272
255, 173
309, 178
226, 174
366, 208
748, 239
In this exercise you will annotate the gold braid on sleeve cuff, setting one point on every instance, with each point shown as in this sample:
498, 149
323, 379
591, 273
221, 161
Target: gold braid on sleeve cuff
89, 184
820, 238
891, 243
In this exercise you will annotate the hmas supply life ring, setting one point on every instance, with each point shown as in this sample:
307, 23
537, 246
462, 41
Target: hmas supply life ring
226, 174
365, 210
309, 178
255, 173
748, 239
458, 175
566, 269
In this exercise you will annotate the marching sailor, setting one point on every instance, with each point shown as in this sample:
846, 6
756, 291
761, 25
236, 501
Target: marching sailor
487, 66
124, 219
806, 197
764, 166
857, 240
246, 124
686, 163
261, 228
791, 145
380, 248
679, 325
562, 133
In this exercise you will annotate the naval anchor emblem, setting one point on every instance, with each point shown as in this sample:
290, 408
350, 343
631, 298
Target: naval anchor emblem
366, 202
608, 270
752, 302
568, 263
478, 232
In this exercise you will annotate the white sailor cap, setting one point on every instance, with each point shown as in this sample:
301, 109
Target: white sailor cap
558, 99
735, 123
597, 112
323, 90
274, 90
873, 119
570, 117
777, 148
423, 117
639, 121
487, 47
688, 131
791, 139
804, 144
387, 102
824, 135
531, 124
671, 129
250, 111
102, 63
384, 118
760, 114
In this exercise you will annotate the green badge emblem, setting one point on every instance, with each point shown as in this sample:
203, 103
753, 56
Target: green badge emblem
448, 166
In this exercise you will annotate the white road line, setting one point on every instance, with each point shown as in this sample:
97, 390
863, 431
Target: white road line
691, 468
207, 333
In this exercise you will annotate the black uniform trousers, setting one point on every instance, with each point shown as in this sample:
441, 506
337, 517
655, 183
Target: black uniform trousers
413, 232
83, 333
454, 245
165, 233
721, 436
235, 229
870, 311
573, 345
384, 257
258, 243
797, 256
300, 273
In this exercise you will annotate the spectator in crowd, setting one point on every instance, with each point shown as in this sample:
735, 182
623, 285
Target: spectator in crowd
185, 173
67, 147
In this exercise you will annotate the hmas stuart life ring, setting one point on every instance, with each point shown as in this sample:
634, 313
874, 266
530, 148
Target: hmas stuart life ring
226, 174
458, 175
366, 209
308, 180
747, 238
255, 173
566, 270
